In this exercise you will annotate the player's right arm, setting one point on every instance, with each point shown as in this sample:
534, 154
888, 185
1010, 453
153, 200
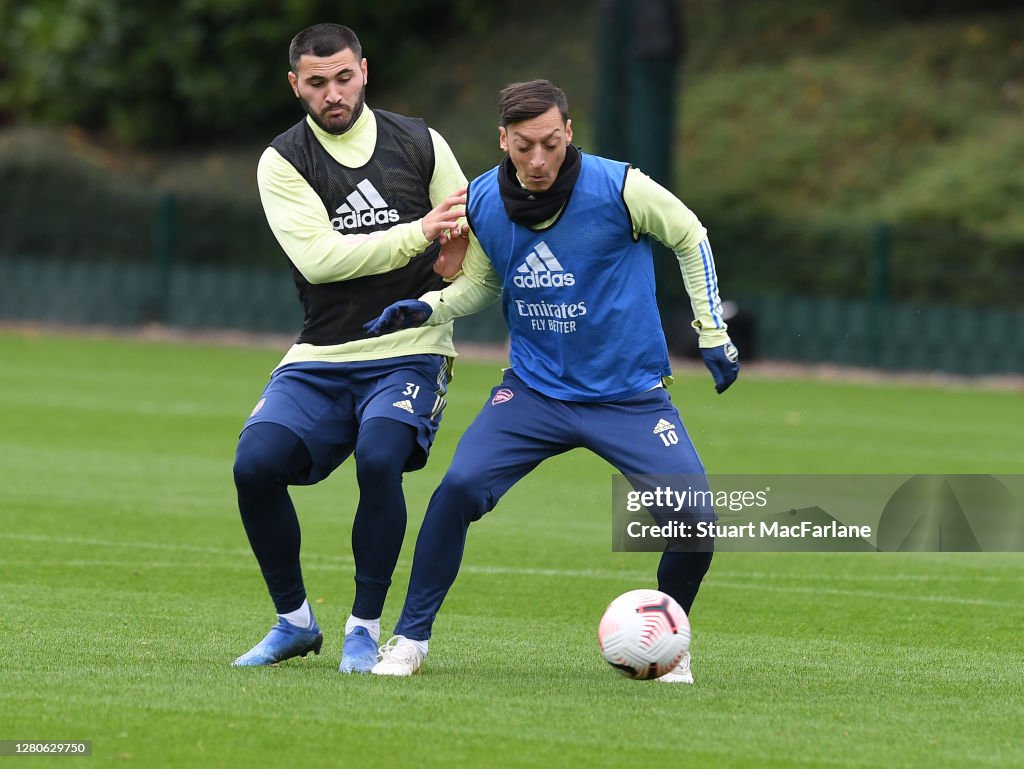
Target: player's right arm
476, 288
302, 226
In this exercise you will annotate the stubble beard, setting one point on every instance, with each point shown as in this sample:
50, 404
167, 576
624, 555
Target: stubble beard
340, 124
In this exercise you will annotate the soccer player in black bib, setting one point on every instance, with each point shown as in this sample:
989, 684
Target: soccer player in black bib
357, 199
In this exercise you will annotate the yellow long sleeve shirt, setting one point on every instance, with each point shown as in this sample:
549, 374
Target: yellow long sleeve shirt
302, 226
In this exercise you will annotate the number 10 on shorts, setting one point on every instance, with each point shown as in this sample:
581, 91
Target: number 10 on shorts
669, 437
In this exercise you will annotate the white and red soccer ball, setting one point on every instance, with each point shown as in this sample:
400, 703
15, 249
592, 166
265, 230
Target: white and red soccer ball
644, 634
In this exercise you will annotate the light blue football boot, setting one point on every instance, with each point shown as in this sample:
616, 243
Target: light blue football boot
283, 642
359, 654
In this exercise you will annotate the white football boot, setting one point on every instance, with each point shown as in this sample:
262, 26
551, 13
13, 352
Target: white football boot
681, 673
399, 657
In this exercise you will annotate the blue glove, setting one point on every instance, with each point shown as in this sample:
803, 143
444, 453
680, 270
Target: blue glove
724, 364
408, 313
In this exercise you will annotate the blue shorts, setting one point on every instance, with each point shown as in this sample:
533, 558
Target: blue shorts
325, 403
518, 428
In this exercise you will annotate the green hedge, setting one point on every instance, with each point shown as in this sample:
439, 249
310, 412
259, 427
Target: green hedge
61, 203
159, 74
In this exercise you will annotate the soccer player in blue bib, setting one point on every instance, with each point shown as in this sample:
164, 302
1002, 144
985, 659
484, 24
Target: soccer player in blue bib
565, 239
357, 199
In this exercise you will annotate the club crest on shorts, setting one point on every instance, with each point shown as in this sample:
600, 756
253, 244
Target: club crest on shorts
502, 396
259, 405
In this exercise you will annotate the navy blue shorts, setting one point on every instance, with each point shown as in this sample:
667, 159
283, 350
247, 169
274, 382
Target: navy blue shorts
325, 403
518, 428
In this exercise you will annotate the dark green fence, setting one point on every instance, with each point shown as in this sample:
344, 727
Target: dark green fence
105, 292
874, 333
898, 336
888, 298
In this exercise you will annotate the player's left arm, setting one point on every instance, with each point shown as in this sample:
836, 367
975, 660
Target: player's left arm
657, 212
447, 176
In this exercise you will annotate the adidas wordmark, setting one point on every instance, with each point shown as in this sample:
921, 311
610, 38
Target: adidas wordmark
542, 270
364, 207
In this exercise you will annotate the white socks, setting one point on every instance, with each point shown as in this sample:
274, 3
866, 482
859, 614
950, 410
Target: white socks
371, 625
421, 645
301, 617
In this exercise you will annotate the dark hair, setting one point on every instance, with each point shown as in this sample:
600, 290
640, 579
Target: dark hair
522, 101
322, 40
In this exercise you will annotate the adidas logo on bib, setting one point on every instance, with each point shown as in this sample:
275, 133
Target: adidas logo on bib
542, 270
364, 207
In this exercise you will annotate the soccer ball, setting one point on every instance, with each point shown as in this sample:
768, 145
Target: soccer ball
643, 634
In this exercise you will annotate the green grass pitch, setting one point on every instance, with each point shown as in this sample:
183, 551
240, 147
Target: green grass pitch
128, 587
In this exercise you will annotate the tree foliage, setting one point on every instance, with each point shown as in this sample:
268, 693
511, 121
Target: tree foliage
158, 74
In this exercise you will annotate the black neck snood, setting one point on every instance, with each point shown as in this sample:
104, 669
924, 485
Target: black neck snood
532, 208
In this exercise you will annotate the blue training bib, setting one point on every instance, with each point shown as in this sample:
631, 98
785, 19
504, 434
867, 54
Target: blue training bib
578, 296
